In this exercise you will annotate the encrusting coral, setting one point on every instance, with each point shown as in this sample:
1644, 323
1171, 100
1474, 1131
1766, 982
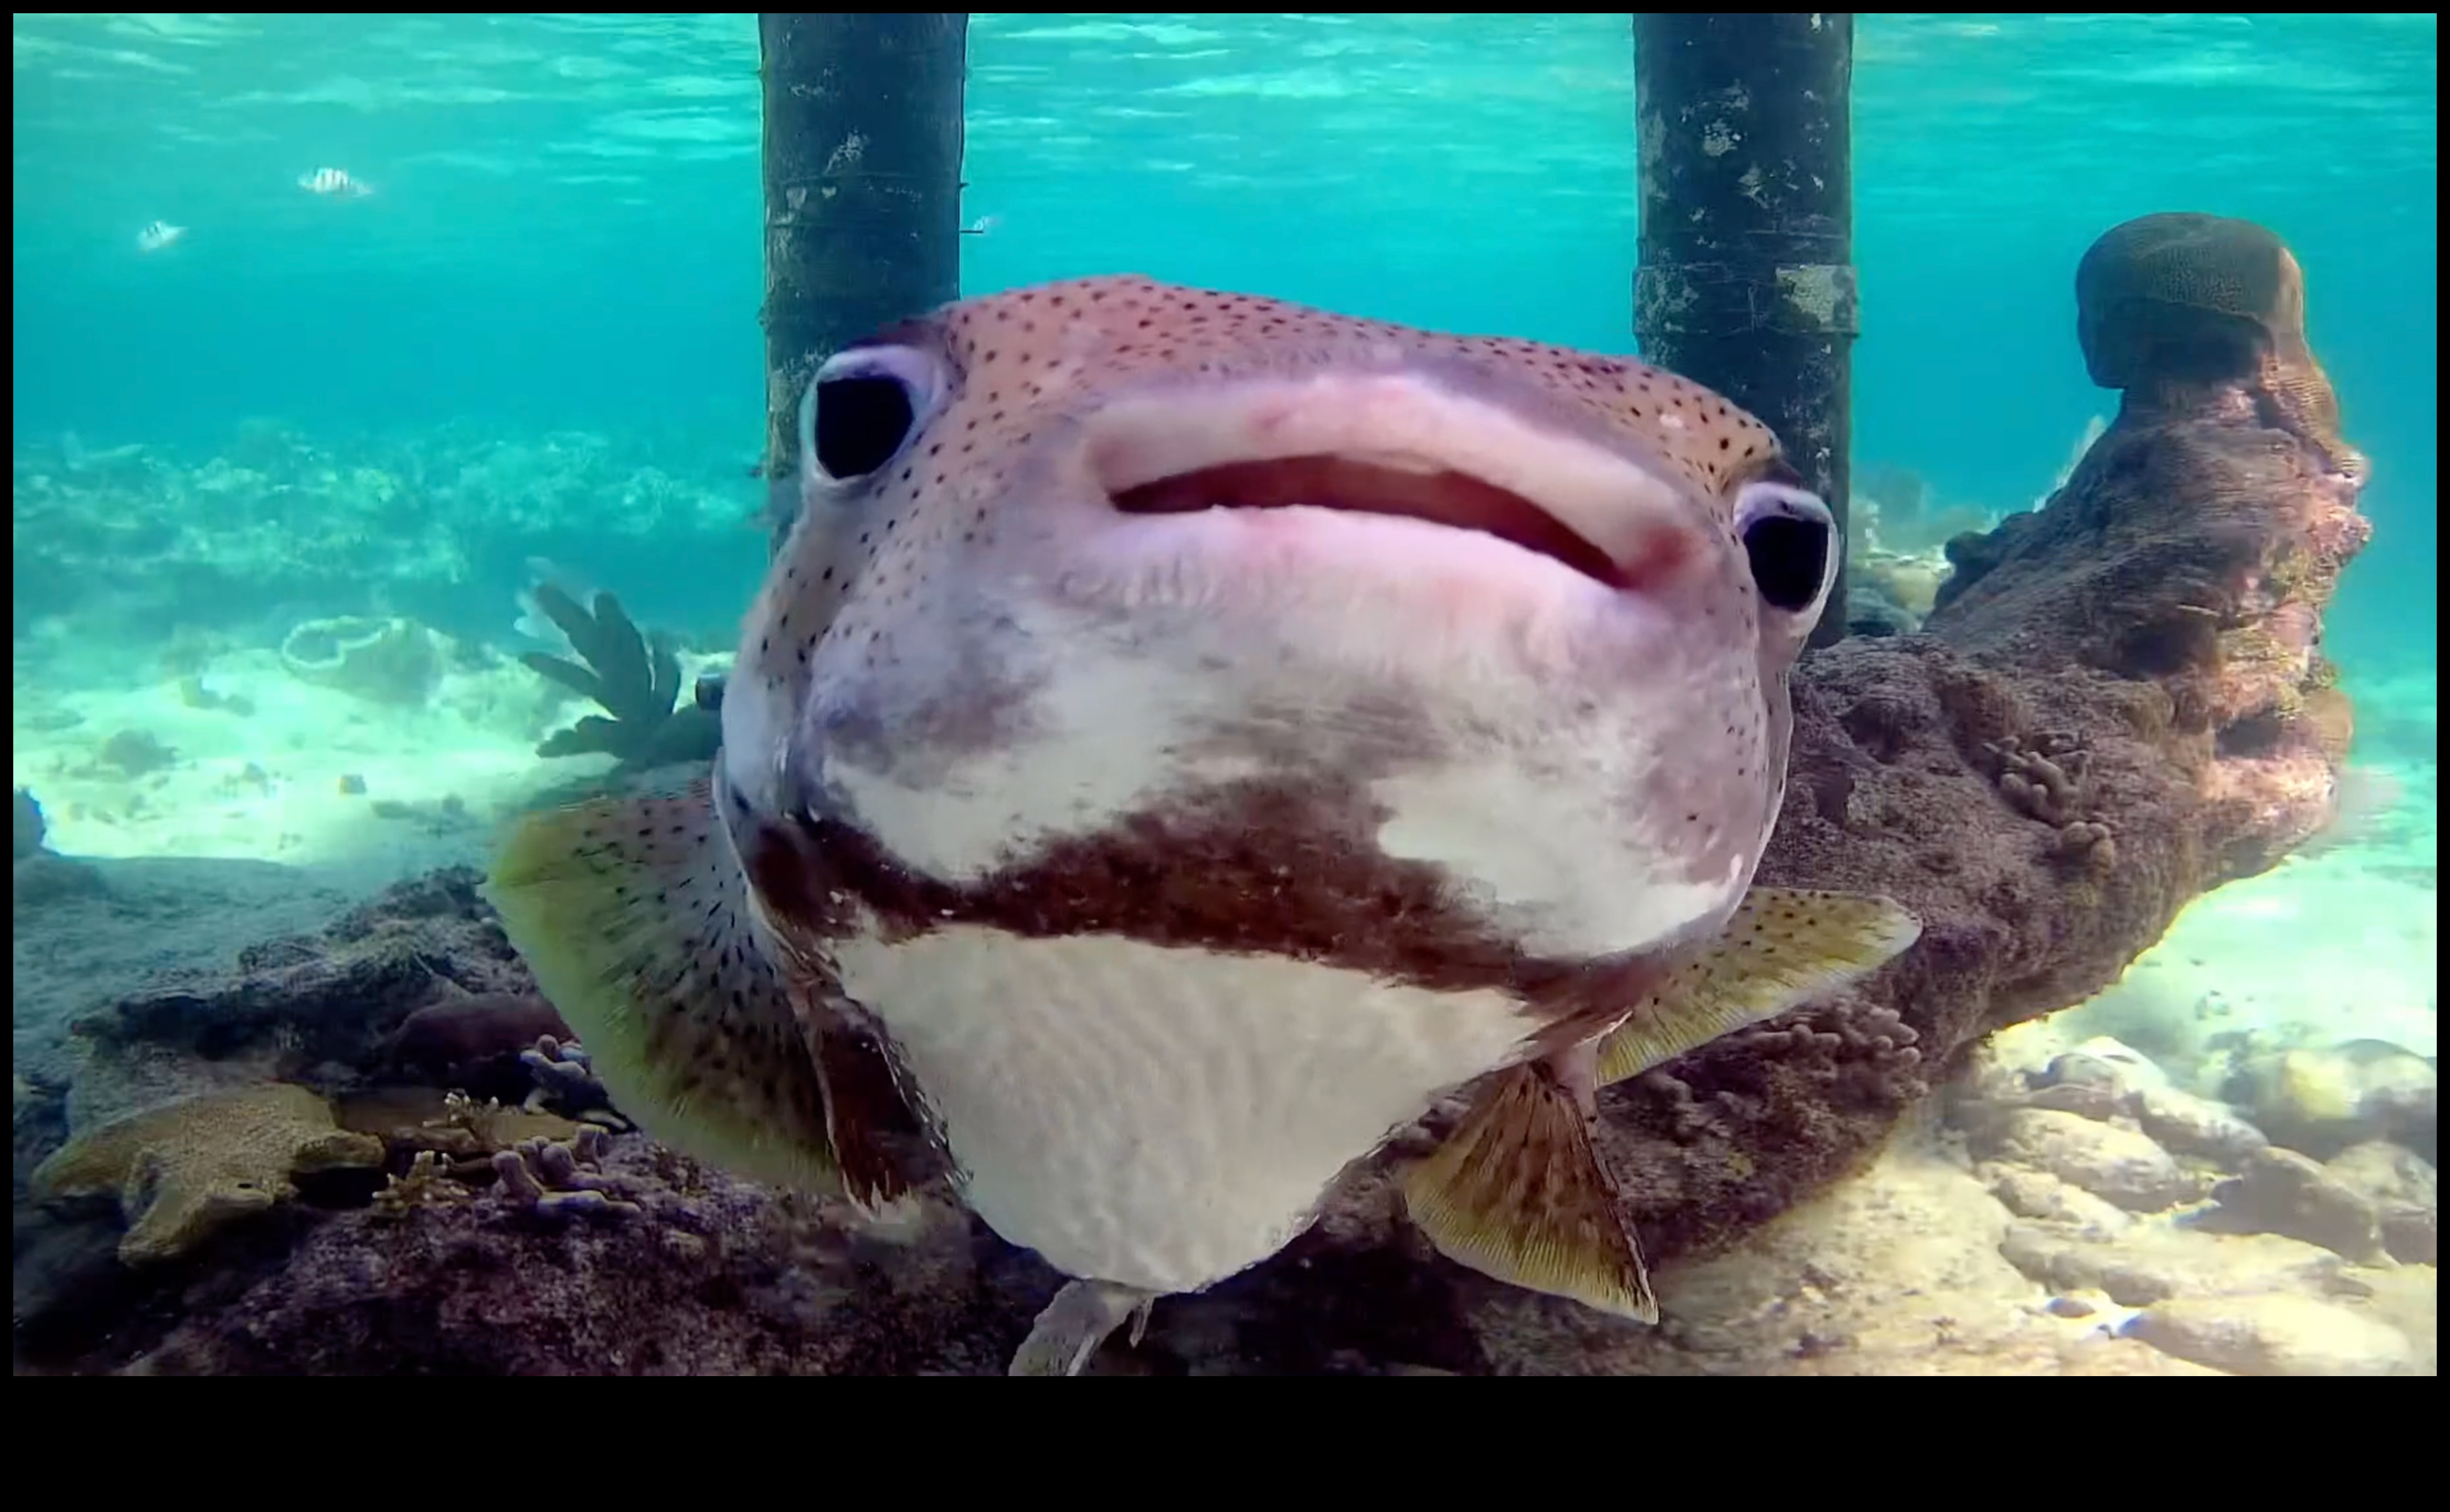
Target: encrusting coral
189, 1167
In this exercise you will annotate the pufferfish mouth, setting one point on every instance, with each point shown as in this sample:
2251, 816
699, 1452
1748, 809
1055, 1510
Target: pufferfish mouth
1397, 445
1439, 496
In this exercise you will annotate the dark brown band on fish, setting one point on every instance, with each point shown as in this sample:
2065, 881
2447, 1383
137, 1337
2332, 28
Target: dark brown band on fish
1250, 868
877, 1134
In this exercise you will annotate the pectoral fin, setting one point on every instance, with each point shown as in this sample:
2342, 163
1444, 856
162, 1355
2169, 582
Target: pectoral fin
1519, 1193
1782, 948
632, 913
1083, 1316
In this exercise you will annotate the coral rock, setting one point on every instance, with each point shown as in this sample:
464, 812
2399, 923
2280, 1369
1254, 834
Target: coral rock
2323, 1101
2031, 1194
189, 1167
2405, 1190
2149, 1262
442, 1036
294, 1002
388, 661
2117, 1165
2279, 1334
28, 822
2281, 1192
2197, 1126
2197, 543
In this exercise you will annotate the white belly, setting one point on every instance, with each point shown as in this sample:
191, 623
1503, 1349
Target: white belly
1158, 1117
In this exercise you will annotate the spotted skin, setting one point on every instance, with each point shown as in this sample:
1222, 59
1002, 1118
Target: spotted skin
1019, 359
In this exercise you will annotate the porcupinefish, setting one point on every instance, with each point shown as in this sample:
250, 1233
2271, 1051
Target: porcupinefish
1185, 737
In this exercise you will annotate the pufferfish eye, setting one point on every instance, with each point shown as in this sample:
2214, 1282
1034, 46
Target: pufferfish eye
864, 406
1787, 533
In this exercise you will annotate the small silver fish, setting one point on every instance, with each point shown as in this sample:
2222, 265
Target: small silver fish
1185, 738
157, 235
333, 180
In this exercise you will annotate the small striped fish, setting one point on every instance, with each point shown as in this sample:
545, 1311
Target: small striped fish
332, 181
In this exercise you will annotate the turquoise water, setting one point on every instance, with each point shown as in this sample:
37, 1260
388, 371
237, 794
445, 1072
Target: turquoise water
564, 232
308, 421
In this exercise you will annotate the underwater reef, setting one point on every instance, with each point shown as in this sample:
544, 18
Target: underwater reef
2116, 704
140, 539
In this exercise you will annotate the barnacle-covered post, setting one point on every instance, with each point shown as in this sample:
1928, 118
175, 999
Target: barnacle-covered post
862, 188
1747, 279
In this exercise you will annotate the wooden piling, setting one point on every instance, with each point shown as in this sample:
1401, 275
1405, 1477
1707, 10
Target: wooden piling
1747, 278
863, 157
